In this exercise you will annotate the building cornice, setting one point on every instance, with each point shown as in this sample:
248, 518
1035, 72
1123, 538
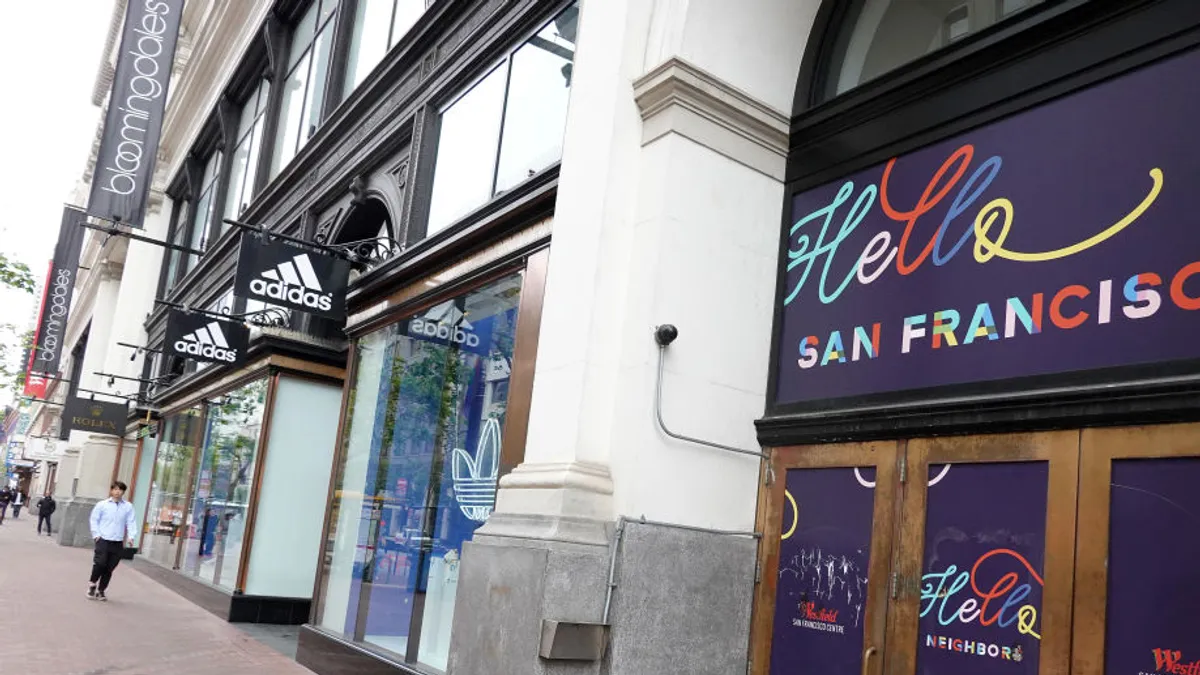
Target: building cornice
678, 97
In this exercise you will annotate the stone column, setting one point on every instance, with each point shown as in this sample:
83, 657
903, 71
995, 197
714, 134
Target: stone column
668, 211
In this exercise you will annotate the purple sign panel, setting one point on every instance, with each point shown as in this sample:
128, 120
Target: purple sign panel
981, 584
821, 596
1153, 584
1063, 238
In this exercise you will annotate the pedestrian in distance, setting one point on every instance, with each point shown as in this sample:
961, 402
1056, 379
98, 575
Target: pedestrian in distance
46, 506
112, 528
19, 500
6, 497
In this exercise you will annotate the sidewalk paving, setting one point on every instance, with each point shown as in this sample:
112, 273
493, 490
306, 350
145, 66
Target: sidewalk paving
49, 627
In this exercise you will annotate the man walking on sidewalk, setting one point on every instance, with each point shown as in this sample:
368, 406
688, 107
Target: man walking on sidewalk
112, 526
46, 506
18, 502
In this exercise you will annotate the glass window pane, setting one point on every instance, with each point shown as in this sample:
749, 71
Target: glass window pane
289, 117
422, 450
407, 13
302, 35
223, 483
887, 34
368, 41
237, 178
248, 188
165, 510
466, 153
316, 86
538, 91
467, 456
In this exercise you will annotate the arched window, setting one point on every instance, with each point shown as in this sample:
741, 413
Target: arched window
878, 36
367, 220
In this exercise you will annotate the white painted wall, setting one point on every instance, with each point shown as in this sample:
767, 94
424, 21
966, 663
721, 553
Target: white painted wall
668, 227
295, 482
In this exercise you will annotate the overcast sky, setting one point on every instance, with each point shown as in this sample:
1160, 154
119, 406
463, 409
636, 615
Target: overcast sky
48, 123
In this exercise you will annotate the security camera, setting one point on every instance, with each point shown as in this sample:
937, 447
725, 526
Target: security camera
665, 334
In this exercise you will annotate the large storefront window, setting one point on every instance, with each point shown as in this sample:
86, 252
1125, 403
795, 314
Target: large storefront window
217, 518
418, 472
167, 503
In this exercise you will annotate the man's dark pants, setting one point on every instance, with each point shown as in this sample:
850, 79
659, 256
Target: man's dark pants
44, 518
108, 554
3, 511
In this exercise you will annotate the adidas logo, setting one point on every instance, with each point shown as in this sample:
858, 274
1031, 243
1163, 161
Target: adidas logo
208, 342
294, 281
448, 323
475, 477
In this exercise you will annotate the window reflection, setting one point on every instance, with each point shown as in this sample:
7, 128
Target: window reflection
378, 26
245, 155
224, 475
886, 34
538, 91
204, 211
421, 458
466, 152
532, 100
304, 86
167, 503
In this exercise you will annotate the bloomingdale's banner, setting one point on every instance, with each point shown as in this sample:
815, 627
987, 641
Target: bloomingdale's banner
1064, 238
56, 296
133, 124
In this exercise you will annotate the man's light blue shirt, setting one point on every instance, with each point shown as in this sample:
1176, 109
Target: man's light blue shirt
111, 520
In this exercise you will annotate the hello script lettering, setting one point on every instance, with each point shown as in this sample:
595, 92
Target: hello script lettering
1002, 603
807, 251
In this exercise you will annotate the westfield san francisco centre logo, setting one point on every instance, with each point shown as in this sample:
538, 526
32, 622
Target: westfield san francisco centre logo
295, 281
1171, 661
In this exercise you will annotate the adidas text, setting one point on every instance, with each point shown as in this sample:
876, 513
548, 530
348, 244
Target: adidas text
441, 330
207, 351
277, 290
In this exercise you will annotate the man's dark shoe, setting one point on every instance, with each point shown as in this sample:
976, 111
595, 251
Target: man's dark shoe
101, 596
91, 591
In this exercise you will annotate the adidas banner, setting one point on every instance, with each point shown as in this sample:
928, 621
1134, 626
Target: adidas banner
206, 339
95, 417
56, 300
133, 124
279, 273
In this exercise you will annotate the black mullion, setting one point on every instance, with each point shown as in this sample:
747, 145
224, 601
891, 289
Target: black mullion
503, 115
391, 27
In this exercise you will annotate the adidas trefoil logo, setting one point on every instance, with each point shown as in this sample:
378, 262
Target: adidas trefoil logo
295, 281
209, 342
475, 477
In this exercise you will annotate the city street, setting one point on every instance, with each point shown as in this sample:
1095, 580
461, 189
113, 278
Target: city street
49, 627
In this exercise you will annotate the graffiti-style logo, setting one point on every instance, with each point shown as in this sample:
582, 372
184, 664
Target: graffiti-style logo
1000, 603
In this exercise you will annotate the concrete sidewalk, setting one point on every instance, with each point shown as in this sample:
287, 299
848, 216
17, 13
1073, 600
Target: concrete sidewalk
49, 627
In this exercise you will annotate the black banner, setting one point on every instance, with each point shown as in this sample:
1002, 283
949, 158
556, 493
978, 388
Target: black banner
95, 417
282, 274
60, 284
204, 338
125, 163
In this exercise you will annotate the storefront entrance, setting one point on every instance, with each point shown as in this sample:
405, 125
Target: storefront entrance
959, 554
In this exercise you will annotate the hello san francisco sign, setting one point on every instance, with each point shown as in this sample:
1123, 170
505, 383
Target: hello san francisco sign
1061, 239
